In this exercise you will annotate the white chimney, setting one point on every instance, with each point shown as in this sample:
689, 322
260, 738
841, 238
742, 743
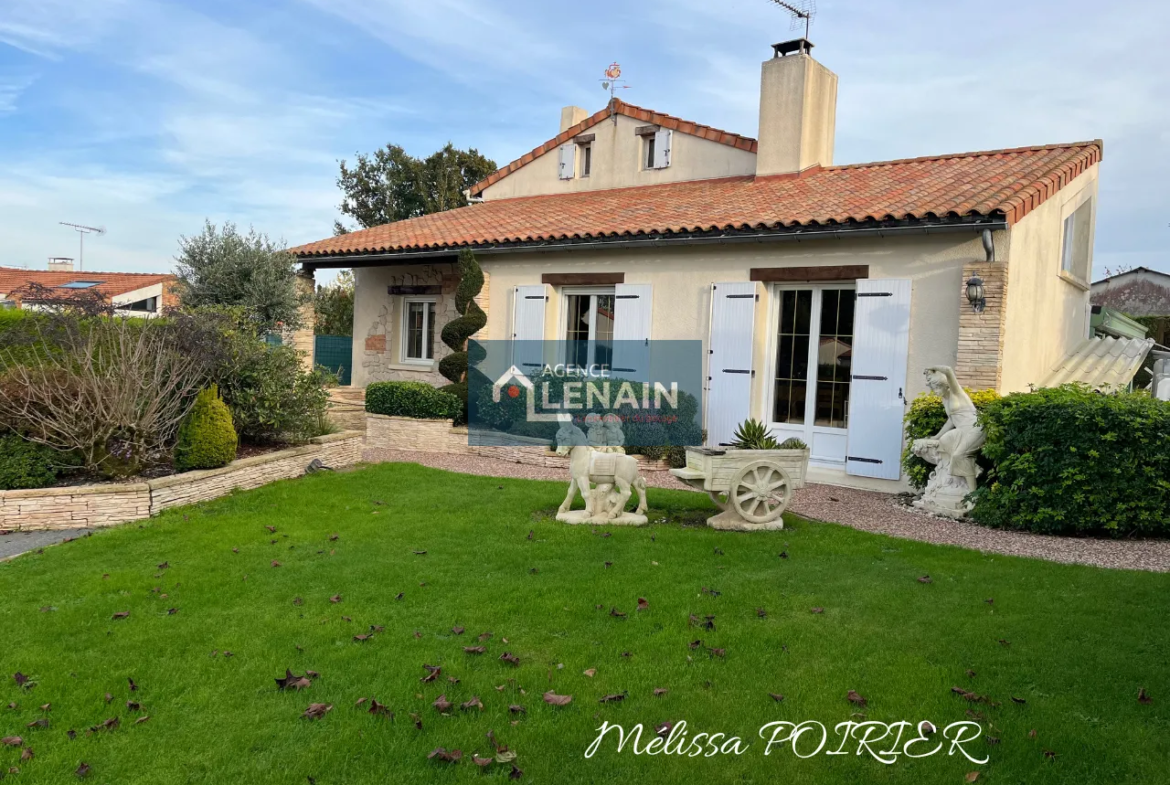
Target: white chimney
798, 111
570, 116
60, 264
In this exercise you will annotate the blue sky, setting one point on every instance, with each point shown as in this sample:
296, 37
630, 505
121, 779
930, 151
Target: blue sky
146, 116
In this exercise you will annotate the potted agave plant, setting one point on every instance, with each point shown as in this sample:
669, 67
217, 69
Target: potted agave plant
792, 454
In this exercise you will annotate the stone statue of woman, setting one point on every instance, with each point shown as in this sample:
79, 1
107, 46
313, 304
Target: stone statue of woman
952, 450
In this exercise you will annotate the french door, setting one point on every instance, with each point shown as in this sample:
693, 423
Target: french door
813, 339
589, 321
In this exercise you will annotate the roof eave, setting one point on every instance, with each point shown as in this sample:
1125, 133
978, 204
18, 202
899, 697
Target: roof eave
800, 233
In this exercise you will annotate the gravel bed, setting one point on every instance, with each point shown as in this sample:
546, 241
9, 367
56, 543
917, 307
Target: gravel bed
865, 510
15, 543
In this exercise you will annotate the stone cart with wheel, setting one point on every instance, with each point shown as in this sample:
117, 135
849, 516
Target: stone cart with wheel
751, 487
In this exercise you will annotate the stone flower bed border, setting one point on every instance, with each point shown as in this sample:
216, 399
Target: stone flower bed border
92, 506
387, 432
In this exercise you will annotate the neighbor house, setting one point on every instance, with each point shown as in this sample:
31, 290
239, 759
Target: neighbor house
136, 294
820, 291
1140, 292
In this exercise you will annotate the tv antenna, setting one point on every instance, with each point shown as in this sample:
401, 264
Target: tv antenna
82, 231
802, 11
612, 83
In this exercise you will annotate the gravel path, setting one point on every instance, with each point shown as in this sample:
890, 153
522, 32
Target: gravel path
865, 510
15, 543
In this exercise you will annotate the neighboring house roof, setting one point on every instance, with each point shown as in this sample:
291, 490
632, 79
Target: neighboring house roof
1137, 292
1000, 184
13, 279
648, 116
1102, 363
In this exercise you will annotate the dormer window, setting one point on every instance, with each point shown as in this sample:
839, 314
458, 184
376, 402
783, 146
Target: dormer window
655, 146
649, 145
586, 159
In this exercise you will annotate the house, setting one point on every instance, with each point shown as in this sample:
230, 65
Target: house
820, 290
1140, 292
132, 294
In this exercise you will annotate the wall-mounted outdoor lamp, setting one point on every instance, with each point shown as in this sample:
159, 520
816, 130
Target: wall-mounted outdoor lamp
975, 294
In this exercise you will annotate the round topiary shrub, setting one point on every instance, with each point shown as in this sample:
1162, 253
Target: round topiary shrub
207, 438
25, 464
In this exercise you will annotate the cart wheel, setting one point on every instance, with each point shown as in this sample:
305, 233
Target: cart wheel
760, 492
719, 498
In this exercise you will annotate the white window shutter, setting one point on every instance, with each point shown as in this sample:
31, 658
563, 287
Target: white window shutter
662, 140
528, 308
568, 161
633, 308
877, 394
729, 359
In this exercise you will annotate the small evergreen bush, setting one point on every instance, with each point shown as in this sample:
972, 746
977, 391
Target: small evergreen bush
924, 419
412, 399
207, 438
1070, 460
25, 464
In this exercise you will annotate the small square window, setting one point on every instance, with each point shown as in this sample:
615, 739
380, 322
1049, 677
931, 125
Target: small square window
649, 152
586, 159
418, 330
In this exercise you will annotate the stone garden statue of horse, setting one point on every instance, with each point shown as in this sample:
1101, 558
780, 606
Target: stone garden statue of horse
616, 476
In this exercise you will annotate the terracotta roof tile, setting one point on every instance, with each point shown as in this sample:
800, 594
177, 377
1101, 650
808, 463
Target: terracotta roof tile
12, 279
1010, 183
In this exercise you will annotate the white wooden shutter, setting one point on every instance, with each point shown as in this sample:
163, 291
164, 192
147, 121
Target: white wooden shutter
729, 359
568, 161
877, 405
662, 141
528, 326
633, 306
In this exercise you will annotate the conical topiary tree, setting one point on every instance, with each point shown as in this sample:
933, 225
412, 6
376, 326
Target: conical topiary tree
471, 320
207, 439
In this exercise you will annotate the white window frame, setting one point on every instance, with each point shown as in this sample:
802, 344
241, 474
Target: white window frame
563, 329
586, 152
1068, 231
804, 431
403, 357
648, 152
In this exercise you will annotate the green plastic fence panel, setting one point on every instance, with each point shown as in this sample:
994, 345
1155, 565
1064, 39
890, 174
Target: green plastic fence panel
334, 352
273, 339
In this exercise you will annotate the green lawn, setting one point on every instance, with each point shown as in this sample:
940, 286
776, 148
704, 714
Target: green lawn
1082, 643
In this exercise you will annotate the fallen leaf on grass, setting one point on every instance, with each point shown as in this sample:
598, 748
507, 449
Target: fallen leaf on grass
400, 595
1003, 642
442, 704
82, 770
552, 699
121, 615
335, 598
133, 705
271, 529
360, 701
1050, 754
27, 754
441, 753
142, 719
11, 741
591, 672
761, 613
419, 553
317, 710
971, 776
968, 695
517, 709
925, 579
292, 681
971, 674
818, 610
853, 697
360, 638
775, 696
433, 673
474, 703
1018, 700
380, 709
616, 613
1143, 697
43, 722
620, 696
643, 605
660, 691
134, 687
333, 537
483, 636
510, 658
482, 762
417, 720
475, 649
717, 652
783, 554
1032, 734
109, 697
72, 734
515, 773
457, 630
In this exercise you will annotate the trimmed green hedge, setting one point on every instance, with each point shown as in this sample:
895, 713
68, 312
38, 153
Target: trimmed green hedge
25, 464
1071, 460
207, 439
412, 399
924, 419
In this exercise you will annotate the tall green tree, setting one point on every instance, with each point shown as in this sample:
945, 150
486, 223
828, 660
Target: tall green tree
334, 306
391, 185
222, 267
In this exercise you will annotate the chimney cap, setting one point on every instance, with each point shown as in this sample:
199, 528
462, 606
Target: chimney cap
795, 46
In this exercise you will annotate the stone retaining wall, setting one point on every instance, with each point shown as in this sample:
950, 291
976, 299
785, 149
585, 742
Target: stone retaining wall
347, 407
92, 506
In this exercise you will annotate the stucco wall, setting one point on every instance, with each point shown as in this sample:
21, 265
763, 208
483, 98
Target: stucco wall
618, 163
682, 279
1047, 311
